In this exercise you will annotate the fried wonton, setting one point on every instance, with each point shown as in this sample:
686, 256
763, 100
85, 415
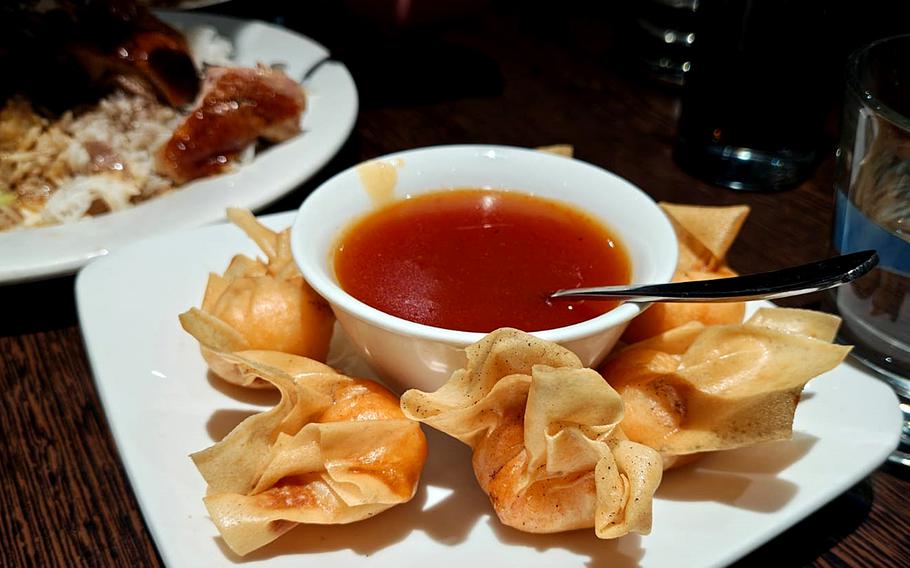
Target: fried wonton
564, 150
702, 388
260, 304
334, 450
548, 450
705, 234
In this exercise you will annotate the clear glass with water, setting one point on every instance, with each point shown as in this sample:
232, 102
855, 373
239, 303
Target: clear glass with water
872, 192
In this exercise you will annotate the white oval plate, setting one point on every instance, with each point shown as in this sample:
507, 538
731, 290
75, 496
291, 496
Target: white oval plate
31, 254
161, 407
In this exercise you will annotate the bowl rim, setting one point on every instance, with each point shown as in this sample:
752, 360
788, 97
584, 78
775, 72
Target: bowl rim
326, 286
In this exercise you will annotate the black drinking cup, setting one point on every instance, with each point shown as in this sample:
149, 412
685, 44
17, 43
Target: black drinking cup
757, 94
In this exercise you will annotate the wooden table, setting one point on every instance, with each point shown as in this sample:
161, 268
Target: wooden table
511, 76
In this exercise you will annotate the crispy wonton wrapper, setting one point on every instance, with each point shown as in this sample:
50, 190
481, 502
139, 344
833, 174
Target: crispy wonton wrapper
547, 446
698, 388
334, 450
705, 234
564, 150
260, 305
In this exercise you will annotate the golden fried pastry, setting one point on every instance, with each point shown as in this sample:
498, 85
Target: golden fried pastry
548, 450
334, 450
705, 234
564, 150
698, 388
264, 305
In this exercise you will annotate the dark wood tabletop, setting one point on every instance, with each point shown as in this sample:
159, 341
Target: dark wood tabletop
510, 73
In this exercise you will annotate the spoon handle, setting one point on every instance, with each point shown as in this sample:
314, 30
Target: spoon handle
793, 281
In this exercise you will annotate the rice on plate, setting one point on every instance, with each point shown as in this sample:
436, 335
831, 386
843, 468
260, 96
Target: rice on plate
98, 158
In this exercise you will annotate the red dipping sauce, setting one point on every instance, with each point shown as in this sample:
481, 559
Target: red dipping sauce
477, 260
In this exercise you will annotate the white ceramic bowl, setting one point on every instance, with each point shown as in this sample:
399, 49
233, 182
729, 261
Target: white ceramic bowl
411, 355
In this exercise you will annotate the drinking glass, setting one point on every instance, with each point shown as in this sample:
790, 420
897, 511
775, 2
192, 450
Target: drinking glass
661, 34
872, 193
754, 103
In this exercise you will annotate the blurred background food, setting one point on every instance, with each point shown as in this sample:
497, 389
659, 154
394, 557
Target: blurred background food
95, 108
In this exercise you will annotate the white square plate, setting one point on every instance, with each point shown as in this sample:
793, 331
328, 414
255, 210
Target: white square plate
162, 406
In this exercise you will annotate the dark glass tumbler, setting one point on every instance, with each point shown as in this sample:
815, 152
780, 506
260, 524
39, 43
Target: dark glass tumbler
758, 93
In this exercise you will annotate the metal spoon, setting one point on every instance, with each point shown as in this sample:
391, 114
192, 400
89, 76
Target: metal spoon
793, 281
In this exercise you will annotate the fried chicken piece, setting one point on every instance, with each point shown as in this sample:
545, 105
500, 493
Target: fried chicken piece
92, 47
154, 61
237, 106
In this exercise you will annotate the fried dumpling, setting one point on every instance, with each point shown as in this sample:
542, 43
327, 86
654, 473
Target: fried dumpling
256, 304
705, 234
333, 450
548, 450
702, 388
